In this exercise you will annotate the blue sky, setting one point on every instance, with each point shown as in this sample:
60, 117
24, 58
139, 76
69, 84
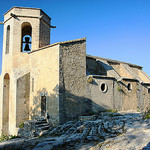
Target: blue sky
115, 29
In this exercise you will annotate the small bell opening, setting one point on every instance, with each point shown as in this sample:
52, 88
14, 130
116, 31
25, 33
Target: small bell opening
26, 44
26, 41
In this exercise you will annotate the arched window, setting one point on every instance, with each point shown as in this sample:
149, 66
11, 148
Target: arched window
26, 37
5, 114
129, 86
7, 39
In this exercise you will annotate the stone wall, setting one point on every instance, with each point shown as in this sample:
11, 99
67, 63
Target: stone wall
73, 101
44, 34
143, 98
129, 97
101, 92
22, 99
94, 67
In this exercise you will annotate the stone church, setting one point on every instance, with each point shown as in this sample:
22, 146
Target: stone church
59, 80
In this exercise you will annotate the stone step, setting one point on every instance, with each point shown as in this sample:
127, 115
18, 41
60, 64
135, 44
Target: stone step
41, 122
41, 125
43, 128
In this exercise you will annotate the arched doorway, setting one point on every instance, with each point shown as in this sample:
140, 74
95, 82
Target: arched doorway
5, 125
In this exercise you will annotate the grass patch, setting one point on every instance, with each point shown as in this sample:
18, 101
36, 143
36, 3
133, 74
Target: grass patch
6, 137
112, 111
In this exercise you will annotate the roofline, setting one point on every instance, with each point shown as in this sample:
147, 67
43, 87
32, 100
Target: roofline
59, 43
114, 61
102, 76
26, 8
20, 7
146, 83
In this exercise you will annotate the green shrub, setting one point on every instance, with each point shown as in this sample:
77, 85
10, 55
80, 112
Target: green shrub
90, 79
147, 115
112, 110
21, 125
4, 137
13, 136
119, 89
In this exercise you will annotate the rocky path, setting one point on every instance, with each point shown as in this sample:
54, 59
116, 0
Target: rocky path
116, 131
136, 137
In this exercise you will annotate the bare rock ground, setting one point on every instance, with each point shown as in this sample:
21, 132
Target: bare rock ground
115, 131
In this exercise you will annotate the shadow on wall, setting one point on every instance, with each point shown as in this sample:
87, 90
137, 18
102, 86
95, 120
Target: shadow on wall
69, 108
107, 67
43, 103
96, 67
74, 106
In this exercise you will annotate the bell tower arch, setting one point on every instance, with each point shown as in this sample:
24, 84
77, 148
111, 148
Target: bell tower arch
26, 37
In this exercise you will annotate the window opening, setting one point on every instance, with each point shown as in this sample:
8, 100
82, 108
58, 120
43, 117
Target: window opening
26, 46
26, 37
129, 86
103, 87
7, 39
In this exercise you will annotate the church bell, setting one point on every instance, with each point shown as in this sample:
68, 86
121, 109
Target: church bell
27, 48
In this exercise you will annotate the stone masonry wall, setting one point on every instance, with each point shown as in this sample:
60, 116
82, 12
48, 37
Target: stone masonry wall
101, 100
73, 99
22, 99
44, 34
94, 68
129, 97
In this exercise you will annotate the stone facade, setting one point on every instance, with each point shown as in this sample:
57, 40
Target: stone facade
59, 80
127, 86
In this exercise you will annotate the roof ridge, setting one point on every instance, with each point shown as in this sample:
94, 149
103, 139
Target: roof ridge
64, 42
115, 61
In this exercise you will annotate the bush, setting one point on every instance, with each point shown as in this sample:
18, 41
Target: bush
21, 125
4, 137
90, 79
13, 136
147, 115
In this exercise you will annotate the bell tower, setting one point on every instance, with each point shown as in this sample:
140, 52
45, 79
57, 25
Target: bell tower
25, 30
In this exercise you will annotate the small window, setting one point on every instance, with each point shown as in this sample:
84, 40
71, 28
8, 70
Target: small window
7, 39
129, 87
103, 87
